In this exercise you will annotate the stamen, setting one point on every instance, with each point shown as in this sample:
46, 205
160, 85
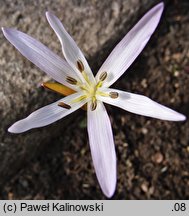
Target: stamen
113, 95
103, 94
80, 65
64, 105
85, 77
99, 84
71, 80
76, 100
103, 76
93, 104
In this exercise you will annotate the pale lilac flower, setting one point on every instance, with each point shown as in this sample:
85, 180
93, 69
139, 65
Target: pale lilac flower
75, 73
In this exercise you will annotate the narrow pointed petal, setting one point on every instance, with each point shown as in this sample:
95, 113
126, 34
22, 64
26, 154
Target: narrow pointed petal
102, 148
40, 55
70, 50
47, 115
130, 46
141, 105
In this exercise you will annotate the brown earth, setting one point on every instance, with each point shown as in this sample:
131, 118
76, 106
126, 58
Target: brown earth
152, 155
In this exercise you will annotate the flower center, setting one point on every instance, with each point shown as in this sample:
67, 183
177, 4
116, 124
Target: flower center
89, 88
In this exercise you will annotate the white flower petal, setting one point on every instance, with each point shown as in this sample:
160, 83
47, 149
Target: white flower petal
40, 55
141, 105
102, 148
47, 115
70, 50
130, 46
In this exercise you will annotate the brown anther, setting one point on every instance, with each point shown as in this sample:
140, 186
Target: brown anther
103, 76
71, 80
80, 65
64, 105
93, 105
113, 95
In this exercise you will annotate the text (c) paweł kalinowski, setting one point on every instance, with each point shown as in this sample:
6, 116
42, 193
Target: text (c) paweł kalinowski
24, 207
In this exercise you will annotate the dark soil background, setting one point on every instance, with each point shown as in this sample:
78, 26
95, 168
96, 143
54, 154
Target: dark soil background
152, 155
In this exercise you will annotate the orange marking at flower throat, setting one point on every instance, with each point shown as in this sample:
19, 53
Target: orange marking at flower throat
61, 89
